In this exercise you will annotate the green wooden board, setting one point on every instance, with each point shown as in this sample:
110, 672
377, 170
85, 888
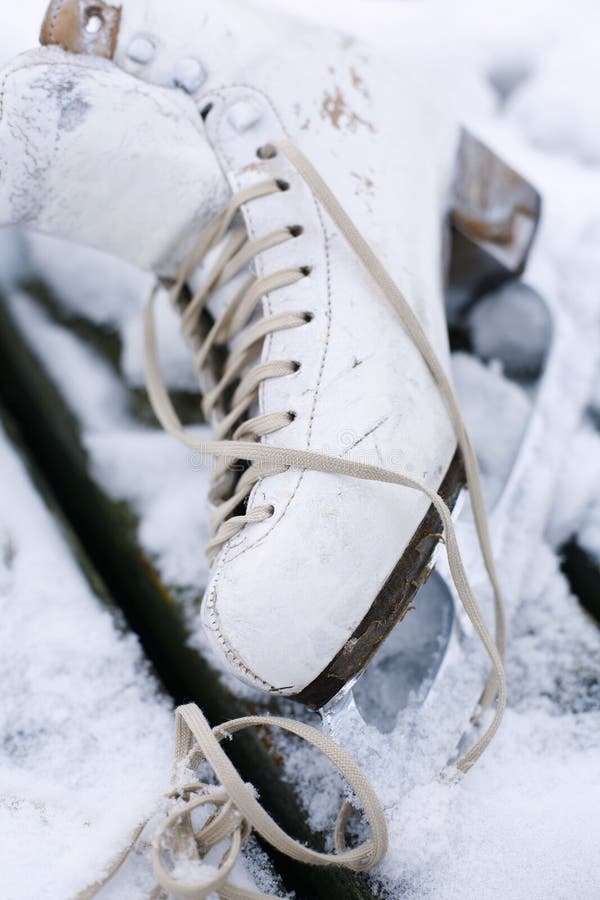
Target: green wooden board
107, 530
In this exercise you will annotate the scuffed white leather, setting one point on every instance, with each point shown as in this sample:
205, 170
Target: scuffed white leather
90, 154
285, 595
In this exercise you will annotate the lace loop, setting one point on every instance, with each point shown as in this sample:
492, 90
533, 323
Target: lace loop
234, 819
192, 727
176, 837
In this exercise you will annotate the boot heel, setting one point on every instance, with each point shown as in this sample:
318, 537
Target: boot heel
493, 207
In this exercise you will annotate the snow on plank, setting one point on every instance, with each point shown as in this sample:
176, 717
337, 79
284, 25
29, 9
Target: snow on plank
137, 501
87, 728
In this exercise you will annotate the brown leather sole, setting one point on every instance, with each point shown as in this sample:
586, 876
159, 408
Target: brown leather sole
392, 603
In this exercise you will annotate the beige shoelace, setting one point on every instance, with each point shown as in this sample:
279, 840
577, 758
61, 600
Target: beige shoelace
237, 810
238, 813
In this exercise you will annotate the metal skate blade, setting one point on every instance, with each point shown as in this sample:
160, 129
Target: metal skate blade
403, 671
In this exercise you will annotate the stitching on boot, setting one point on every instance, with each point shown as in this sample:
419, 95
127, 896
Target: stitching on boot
215, 625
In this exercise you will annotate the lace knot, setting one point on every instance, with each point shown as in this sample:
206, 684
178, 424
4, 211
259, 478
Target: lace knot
181, 848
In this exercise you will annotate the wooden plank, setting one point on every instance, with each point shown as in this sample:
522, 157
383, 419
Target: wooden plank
583, 573
108, 529
86, 726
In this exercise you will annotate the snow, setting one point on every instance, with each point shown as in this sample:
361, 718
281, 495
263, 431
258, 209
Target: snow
93, 392
512, 325
524, 822
496, 438
173, 526
108, 289
563, 126
78, 768
166, 483
578, 489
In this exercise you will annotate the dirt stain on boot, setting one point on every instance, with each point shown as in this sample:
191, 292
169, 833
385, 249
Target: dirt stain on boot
335, 108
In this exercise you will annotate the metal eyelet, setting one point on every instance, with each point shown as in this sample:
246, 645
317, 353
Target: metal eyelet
93, 21
189, 74
267, 151
141, 50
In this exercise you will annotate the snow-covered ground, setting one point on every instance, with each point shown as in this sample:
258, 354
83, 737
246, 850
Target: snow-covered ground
85, 733
524, 823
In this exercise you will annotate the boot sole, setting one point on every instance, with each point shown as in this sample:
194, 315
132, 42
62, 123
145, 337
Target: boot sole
392, 603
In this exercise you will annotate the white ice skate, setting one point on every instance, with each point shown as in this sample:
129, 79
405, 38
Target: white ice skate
243, 164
